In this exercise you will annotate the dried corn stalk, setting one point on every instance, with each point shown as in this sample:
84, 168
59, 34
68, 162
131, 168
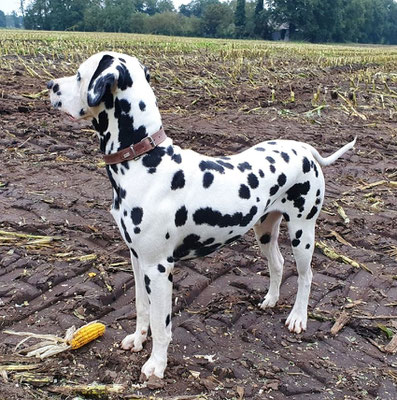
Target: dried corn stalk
333, 255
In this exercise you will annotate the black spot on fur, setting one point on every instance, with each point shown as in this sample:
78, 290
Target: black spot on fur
167, 235
270, 159
211, 165
147, 284
126, 234
281, 179
82, 112
78, 76
261, 173
315, 169
142, 106
295, 242
274, 190
136, 215
168, 320
307, 246
170, 259
125, 80
103, 122
273, 143
272, 168
125, 123
244, 192
259, 149
296, 193
177, 158
312, 212
178, 180
161, 268
181, 216
137, 230
55, 88
170, 277
107, 98
225, 164
286, 217
216, 218
244, 166
265, 238
134, 253
190, 242
253, 181
305, 165
208, 178
153, 158
298, 234
103, 141
318, 192
294, 151
191, 247
285, 156
114, 168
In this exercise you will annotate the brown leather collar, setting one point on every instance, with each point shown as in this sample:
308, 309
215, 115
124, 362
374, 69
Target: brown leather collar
136, 150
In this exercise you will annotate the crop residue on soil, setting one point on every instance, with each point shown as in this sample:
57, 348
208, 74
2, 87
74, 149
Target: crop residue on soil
52, 185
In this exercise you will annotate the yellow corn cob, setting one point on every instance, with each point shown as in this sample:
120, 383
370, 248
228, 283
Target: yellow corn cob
86, 334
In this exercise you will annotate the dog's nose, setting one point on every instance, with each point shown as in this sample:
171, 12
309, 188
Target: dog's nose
50, 84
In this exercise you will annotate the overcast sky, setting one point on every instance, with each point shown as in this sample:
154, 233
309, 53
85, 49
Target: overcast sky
7, 6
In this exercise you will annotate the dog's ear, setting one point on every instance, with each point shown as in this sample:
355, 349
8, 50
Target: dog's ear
104, 77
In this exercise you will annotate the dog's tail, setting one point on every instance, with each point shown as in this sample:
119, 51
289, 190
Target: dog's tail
333, 157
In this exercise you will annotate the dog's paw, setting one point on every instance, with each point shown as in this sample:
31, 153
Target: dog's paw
153, 367
134, 342
296, 321
268, 301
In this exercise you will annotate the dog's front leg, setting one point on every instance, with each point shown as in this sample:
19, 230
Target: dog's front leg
134, 342
158, 285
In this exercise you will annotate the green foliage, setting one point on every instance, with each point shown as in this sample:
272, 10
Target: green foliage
239, 18
216, 20
362, 21
365, 21
2, 19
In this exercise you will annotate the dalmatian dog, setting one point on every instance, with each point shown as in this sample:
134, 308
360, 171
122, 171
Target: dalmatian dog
172, 204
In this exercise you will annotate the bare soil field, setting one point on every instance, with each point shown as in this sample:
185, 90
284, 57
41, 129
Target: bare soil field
53, 184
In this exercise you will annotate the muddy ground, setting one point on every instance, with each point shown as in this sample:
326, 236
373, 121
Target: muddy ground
224, 347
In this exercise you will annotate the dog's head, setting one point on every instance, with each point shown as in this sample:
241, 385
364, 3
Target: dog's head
93, 87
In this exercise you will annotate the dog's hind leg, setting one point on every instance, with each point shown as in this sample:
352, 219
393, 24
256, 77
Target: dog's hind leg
266, 233
158, 285
302, 239
134, 342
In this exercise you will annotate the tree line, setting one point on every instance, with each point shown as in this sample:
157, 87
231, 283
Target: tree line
361, 21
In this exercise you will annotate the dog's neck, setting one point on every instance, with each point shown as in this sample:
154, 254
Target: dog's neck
130, 119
